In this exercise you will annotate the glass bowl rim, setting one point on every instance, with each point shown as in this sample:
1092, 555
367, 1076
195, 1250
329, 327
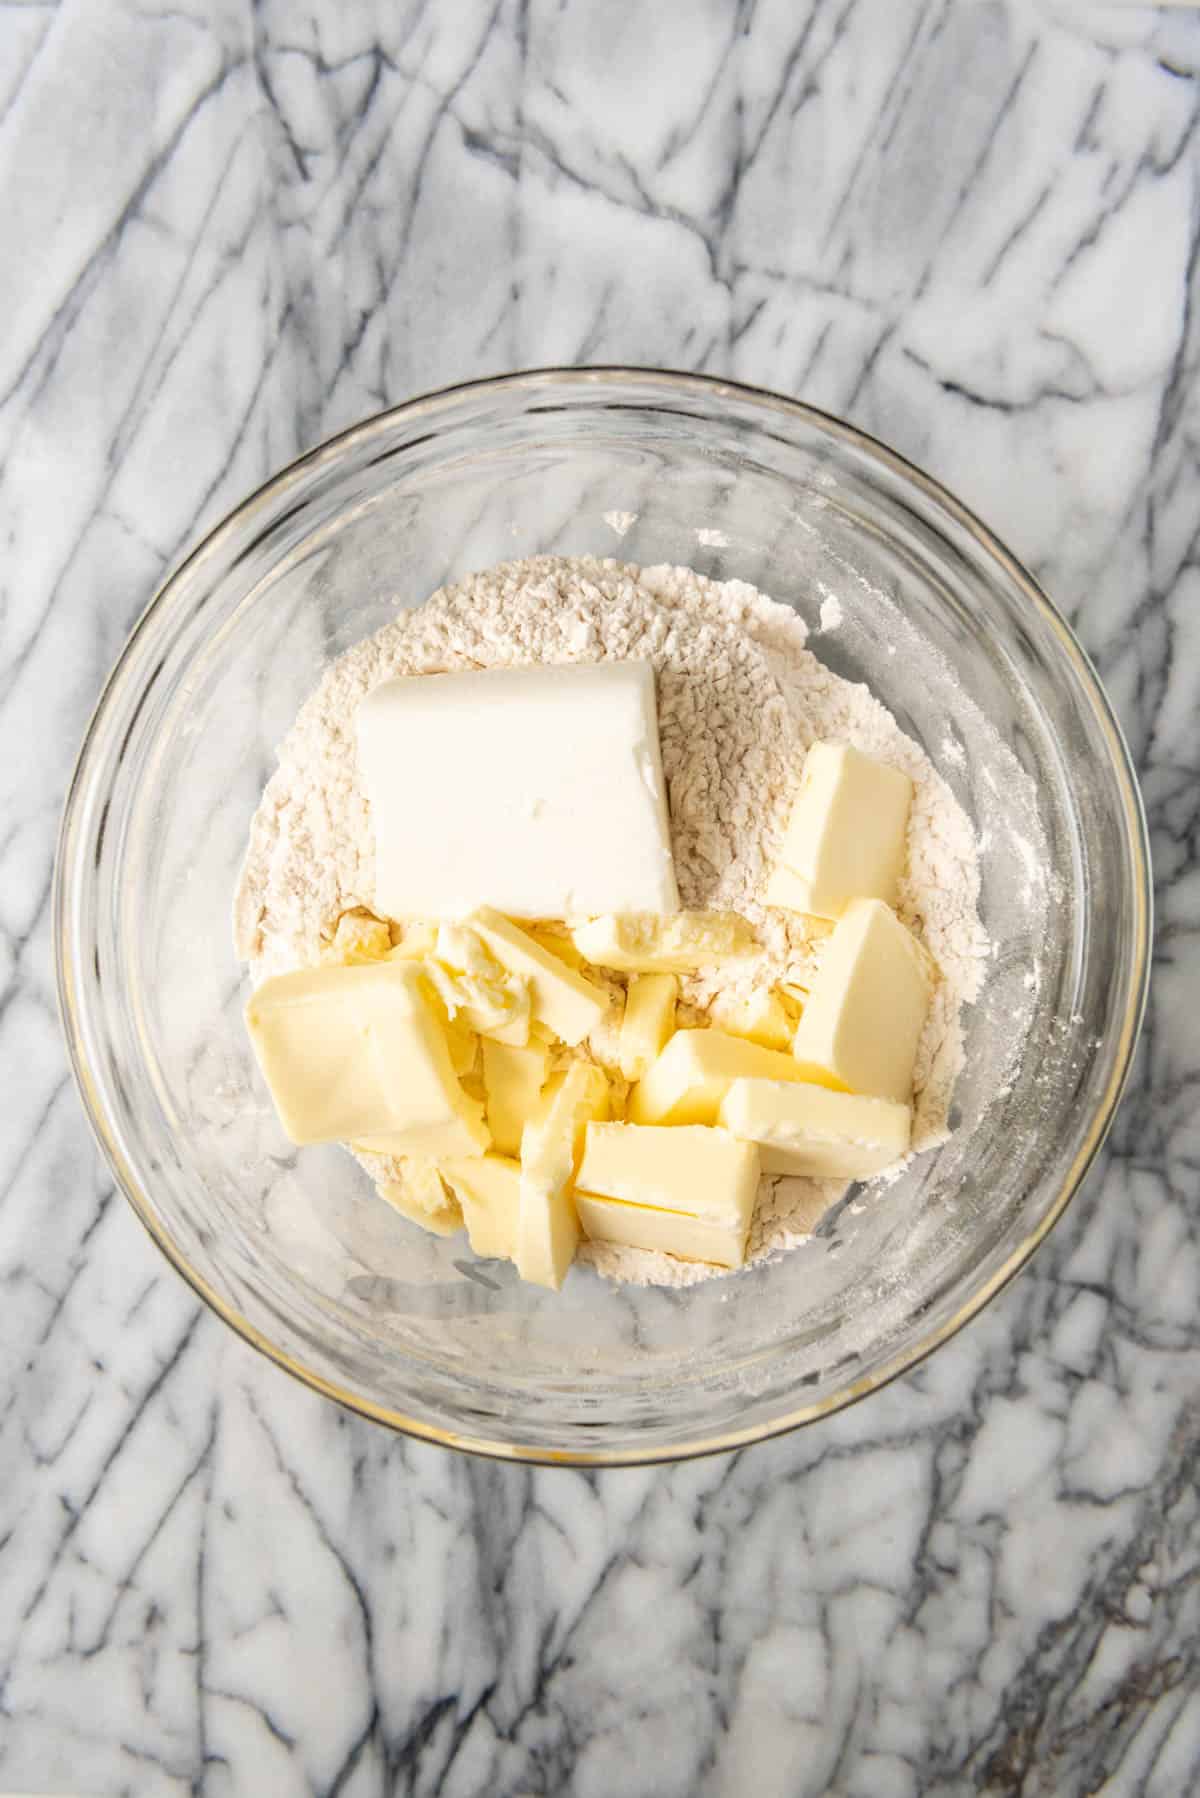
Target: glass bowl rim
68, 864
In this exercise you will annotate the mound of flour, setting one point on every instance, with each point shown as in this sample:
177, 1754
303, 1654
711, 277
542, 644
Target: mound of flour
740, 699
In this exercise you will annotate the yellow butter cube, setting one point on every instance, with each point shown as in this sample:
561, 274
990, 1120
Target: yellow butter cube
867, 1008
561, 998
695, 1071
359, 1053
488, 1187
846, 838
548, 1226
804, 1129
760, 1017
513, 1079
647, 1023
686, 1191
679, 943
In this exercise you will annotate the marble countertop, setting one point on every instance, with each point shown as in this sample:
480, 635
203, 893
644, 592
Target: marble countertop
229, 227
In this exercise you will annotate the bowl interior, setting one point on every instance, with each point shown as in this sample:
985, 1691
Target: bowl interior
943, 627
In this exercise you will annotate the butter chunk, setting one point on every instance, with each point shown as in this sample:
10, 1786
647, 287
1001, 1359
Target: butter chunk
803, 1129
695, 1071
513, 1079
488, 1187
760, 1017
860, 1028
564, 1000
652, 944
697, 1169
421, 1196
417, 940
687, 1192
497, 1005
358, 1053
536, 789
548, 1225
846, 838
705, 1239
359, 937
647, 1023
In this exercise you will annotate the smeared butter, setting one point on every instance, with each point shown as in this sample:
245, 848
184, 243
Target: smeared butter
565, 1001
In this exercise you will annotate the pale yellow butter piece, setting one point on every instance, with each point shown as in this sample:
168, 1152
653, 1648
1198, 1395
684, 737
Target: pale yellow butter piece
359, 1053
697, 1169
695, 1071
789, 890
846, 838
647, 1023
461, 1041
513, 1079
867, 1008
686, 1191
548, 1226
358, 938
707, 1239
560, 946
417, 940
561, 998
420, 1195
488, 1187
760, 1017
804, 1129
649, 943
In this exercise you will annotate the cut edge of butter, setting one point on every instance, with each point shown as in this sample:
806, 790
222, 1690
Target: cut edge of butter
690, 1078
809, 1130
548, 1226
653, 943
513, 1078
868, 1005
704, 1239
701, 1170
647, 1022
488, 1188
847, 835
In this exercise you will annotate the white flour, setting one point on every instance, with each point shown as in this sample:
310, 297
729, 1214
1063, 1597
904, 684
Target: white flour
740, 698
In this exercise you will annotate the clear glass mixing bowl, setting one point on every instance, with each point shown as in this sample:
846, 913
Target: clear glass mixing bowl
291, 1247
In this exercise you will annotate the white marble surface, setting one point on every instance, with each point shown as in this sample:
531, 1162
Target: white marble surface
228, 227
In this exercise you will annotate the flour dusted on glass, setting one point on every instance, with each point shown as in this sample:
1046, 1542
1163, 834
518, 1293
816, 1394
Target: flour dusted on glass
740, 699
